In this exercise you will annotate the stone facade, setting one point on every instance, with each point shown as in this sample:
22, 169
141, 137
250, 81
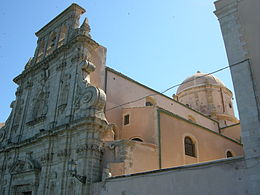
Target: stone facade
57, 117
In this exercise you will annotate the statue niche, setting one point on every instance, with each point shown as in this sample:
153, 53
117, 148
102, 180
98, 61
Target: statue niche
17, 114
40, 108
64, 92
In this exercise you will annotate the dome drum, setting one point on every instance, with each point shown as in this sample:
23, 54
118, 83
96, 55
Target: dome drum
208, 95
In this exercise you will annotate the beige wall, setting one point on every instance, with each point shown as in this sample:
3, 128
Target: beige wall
120, 90
233, 131
98, 58
142, 124
123, 157
145, 157
209, 145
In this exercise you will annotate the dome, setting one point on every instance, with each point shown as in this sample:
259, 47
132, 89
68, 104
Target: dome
199, 79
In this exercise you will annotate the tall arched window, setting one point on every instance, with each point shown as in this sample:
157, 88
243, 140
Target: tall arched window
51, 43
229, 154
189, 147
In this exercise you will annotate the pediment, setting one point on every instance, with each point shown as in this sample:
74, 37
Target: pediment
21, 166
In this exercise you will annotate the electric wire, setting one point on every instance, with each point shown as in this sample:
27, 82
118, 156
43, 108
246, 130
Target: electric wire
164, 91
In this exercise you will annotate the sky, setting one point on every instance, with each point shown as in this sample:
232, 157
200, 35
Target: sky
157, 43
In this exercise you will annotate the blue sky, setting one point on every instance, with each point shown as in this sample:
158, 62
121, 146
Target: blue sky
157, 43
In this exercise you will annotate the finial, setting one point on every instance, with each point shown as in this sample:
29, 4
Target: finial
85, 26
28, 64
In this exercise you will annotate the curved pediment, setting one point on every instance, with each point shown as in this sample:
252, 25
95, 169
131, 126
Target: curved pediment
27, 165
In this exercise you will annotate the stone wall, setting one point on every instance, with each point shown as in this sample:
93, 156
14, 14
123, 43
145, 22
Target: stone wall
239, 22
223, 177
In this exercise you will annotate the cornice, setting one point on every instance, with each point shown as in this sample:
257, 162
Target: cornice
224, 8
79, 124
183, 93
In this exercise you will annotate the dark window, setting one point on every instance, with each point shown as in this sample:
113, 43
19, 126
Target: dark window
229, 154
137, 140
27, 193
189, 147
126, 119
230, 105
148, 104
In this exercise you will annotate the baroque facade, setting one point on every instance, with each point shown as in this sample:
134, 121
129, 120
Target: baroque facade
77, 126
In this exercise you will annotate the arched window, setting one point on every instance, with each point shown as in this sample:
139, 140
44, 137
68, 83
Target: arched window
137, 139
51, 42
189, 147
229, 154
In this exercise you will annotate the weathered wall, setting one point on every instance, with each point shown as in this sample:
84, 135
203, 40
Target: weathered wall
240, 26
57, 115
211, 101
223, 177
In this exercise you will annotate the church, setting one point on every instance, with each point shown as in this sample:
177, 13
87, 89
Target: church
77, 124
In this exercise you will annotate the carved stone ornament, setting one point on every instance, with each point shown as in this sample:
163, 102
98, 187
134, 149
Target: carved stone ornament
47, 157
2, 135
63, 153
21, 166
87, 67
92, 97
29, 63
18, 113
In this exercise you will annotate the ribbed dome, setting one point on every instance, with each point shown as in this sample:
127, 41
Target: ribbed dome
199, 79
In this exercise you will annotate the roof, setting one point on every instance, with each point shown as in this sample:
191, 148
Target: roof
199, 79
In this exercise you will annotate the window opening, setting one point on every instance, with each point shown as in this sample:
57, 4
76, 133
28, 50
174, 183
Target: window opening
189, 147
137, 139
229, 154
148, 104
27, 193
126, 119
